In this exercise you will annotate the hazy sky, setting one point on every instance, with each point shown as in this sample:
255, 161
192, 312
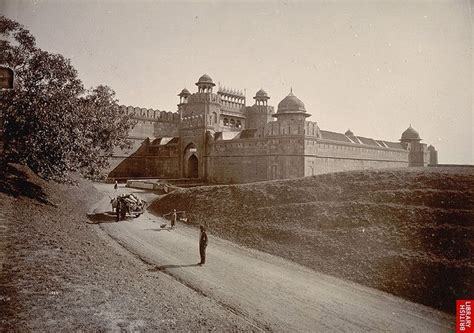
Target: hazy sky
372, 66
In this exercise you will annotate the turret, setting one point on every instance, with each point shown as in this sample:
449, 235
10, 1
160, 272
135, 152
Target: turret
259, 114
261, 97
433, 155
205, 84
418, 153
183, 96
291, 107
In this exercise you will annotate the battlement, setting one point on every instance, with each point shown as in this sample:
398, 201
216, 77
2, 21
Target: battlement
192, 121
201, 97
312, 129
150, 114
232, 100
230, 93
265, 109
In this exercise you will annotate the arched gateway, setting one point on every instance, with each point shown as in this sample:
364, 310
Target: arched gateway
193, 167
191, 161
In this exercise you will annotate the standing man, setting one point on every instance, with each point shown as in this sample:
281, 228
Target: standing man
119, 208
116, 186
174, 217
202, 245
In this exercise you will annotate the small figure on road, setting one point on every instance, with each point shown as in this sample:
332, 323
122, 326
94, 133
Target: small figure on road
174, 217
116, 186
202, 245
119, 209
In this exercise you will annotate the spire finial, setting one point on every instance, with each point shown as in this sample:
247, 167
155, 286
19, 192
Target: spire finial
291, 89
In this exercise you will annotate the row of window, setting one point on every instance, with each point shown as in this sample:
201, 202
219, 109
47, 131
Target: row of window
360, 149
276, 142
232, 122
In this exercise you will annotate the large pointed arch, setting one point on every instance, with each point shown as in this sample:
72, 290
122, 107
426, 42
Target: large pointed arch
191, 161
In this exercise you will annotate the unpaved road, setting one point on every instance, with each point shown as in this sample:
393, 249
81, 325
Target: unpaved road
270, 292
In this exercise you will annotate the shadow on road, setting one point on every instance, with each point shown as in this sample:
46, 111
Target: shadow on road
165, 267
101, 218
160, 229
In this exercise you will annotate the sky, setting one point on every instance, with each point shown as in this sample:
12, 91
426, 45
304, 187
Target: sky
374, 67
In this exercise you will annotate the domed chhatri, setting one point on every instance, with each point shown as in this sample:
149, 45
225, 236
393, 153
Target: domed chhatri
410, 134
184, 92
291, 104
261, 98
349, 133
262, 94
206, 79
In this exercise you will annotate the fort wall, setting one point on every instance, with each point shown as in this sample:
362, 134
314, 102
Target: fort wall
151, 159
419, 155
217, 138
237, 161
258, 116
258, 159
143, 159
323, 156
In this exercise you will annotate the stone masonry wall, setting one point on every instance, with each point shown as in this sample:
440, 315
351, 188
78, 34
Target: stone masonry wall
238, 161
138, 161
149, 161
323, 156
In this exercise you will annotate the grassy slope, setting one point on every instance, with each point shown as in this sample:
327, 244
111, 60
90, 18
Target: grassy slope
405, 231
59, 275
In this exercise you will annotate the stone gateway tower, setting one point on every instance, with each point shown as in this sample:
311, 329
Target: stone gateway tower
199, 114
217, 138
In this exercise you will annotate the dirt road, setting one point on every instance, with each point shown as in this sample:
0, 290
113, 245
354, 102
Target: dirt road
270, 292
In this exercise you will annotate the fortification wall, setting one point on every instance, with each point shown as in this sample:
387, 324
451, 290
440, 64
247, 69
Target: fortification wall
162, 129
323, 156
285, 166
320, 165
152, 123
285, 127
237, 169
140, 160
312, 129
119, 155
259, 159
258, 116
327, 148
419, 154
238, 161
149, 160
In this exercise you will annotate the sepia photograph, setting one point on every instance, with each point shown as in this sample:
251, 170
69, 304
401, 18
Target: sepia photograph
236, 166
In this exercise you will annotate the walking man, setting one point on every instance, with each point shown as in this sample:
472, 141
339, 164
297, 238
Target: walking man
202, 245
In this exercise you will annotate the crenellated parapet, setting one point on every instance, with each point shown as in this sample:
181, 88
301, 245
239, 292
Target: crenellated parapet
284, 128
150, 114
201, 97
232, 100
192, 121
312, 129
260, 109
